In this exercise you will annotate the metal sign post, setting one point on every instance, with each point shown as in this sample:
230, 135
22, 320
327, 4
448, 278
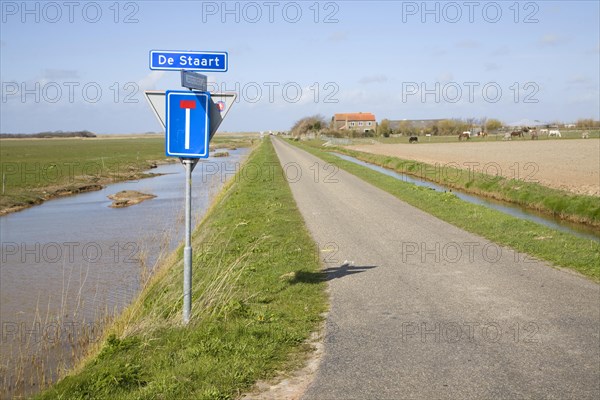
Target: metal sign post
190, 119
189, 164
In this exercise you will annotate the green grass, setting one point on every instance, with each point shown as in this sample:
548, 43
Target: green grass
34, 169
258, 294
38, 169
558, 248
558, 203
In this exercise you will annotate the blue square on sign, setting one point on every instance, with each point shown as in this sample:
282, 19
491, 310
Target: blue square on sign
187, 124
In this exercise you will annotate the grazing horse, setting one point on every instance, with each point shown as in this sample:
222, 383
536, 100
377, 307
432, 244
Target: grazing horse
534, 134
464, 135
554, 132
516, 134
413, 139
585, 135
483, 134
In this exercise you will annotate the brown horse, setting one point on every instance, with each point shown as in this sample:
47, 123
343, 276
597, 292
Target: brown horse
534, 134
464, 135
516, 134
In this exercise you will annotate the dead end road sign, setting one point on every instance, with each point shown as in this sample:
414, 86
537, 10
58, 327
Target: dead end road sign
187, 128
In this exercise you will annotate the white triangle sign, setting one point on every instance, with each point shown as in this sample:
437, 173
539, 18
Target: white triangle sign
220, 105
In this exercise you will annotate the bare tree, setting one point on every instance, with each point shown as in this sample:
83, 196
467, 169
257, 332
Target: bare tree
312, 124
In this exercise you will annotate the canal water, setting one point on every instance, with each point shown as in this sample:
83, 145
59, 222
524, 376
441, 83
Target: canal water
507, 208
71, 262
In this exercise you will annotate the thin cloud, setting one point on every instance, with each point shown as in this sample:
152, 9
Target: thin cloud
59, 74
445, 77
579, 80
373, 79
501, 51
149, 81
491, 67
550, 40
468, 44
338, 37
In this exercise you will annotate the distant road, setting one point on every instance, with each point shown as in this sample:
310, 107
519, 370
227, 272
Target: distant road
423, 310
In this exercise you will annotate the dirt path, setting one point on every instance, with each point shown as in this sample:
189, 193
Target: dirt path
572, 165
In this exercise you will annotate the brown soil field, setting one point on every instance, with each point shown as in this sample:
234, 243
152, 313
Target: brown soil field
572, 165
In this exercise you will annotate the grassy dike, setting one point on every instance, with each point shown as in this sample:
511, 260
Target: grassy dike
257, 297
559, 248
559, 203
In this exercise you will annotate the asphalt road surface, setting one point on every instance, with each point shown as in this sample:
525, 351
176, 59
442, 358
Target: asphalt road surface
421, 309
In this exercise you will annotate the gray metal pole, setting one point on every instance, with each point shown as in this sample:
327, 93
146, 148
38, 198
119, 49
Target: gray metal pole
187, 250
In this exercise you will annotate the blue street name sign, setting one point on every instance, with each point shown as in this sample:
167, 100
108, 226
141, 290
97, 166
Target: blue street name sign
170, 60
187, 124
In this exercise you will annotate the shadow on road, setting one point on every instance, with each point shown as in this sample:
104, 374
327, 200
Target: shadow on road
329, 274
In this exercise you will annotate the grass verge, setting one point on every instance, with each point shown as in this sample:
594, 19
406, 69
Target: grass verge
258, 294
558, 203
559, 248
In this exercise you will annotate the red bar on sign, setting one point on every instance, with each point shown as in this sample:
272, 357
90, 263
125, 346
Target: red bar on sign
187, 104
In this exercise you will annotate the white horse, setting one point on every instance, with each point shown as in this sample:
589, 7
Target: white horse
554, 132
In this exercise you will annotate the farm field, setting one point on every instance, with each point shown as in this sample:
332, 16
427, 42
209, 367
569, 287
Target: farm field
572, 165
35, 170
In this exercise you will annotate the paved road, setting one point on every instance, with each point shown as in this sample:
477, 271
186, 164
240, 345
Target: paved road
422, 309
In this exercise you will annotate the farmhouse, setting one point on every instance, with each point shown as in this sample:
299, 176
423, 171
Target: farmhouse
362, 122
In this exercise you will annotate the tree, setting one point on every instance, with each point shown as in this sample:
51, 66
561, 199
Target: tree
587, 123
447, 127
406, 128
492, 125
384, 128
314, 123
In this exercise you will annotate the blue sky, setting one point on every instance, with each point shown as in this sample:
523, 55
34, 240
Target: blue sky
85, 65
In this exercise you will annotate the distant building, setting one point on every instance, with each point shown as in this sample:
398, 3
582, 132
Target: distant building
361, 122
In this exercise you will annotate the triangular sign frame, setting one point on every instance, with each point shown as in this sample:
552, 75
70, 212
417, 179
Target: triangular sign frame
220, 104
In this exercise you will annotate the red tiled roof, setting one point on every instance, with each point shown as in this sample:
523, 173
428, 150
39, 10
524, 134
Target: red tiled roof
354, 117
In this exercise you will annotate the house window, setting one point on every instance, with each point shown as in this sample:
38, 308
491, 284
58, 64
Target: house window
352, 123
360, 123
369, 123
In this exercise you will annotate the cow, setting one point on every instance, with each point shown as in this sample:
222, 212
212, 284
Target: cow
413, 139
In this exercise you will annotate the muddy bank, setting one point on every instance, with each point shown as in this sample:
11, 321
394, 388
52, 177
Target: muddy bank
126, 198
26, 198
